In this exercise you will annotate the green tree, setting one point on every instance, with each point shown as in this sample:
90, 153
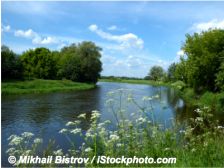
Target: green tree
204, 51
171, 72
11, 66
156, 73
39, 63
220, 78
81, 62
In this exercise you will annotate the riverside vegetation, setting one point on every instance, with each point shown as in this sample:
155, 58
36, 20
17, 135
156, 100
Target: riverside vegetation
42, 86
78, 63
200, 143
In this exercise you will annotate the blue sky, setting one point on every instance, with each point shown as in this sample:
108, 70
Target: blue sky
133, 35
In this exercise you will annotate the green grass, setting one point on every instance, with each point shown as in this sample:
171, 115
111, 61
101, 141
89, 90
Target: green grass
136, 81
42, 86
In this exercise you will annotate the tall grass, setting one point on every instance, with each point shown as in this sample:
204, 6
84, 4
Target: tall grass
42, 86
201, 143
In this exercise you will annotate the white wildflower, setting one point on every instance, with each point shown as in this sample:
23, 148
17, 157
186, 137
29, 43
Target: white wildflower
82, 116
75, 131
146, 98
11, 137
199, 119
141, 120
119, 144
27, 152
193, 150
220, 127
166, 149
107, 122
16, 140
58, 152
10, 150
198, 110
63, 130
156, 96
27, 134
114, 137
182, 131
38, 141
88, 149
70, 123
95, 114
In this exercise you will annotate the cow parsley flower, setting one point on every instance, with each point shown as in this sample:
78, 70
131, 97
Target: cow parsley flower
75, 131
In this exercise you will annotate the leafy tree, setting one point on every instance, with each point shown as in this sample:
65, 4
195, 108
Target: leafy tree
220, 78
181, 70
11, 66
91, 65
81, 62
204, 51
171, 72
156, 73
39, 63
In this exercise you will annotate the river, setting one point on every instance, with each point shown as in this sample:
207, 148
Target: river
46, 114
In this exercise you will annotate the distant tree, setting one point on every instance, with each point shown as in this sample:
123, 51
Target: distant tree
156, 73
39, 63
171, 72
181, 70
11, 66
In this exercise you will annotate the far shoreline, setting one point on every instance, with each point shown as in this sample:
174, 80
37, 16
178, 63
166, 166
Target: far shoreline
37, 86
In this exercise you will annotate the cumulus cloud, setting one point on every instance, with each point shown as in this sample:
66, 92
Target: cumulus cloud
26, 34
6, 28
213, 24
128, 40
36, 38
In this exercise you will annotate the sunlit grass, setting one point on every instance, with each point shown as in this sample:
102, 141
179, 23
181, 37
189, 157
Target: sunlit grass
42, 86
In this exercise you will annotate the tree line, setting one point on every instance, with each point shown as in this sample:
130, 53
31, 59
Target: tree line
77, 62
201, 67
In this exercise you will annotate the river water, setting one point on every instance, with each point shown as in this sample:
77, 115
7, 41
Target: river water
46, 114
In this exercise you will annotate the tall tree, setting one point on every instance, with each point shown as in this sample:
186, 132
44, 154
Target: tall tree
11, 66
204, 51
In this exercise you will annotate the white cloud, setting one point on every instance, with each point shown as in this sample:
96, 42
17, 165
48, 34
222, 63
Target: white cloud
129, 40
48, 40
213, 24
113, 27
26, 34
36, 38
6, 28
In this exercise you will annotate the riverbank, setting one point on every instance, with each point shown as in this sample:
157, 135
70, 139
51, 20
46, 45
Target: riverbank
213, 100
135, 81
42, 86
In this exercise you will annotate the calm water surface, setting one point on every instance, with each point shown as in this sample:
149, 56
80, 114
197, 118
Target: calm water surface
46, 114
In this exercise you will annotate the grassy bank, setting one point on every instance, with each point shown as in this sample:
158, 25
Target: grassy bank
42, 86
135, 81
